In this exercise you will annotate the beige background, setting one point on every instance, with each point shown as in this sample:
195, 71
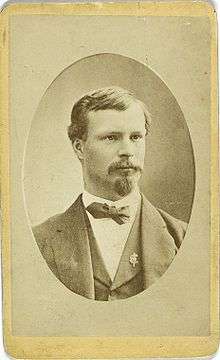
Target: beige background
178, 49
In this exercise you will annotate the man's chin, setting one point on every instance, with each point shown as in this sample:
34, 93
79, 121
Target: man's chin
124, 186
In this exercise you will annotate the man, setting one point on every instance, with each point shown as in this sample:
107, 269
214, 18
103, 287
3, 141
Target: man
111, 243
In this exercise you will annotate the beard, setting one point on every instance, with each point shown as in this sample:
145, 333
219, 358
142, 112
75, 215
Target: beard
123, 186
125, 183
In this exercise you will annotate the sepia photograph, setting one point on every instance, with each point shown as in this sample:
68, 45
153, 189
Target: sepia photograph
111, 243
110, 211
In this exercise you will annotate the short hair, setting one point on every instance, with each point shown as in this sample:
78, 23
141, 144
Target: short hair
110, 98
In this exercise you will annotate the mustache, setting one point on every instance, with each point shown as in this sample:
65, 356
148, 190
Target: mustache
117, 165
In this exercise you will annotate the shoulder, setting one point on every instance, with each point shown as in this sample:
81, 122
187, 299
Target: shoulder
48, 237
47, 230
175, 227
48, 225
52, 227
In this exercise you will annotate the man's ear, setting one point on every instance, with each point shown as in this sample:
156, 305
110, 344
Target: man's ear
78, 146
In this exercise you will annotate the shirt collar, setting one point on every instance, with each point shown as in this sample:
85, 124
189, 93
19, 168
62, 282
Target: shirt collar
132, 200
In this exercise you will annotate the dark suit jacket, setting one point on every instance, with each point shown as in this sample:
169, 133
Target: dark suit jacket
64, 244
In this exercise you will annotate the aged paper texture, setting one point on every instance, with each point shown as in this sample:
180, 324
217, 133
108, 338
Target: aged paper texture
52, 55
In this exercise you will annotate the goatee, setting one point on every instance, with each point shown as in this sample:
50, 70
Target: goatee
125, 182
123, 186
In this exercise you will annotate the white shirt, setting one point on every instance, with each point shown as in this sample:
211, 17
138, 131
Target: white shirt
110, 236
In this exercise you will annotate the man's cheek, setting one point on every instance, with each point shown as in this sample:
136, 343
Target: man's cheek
141, 154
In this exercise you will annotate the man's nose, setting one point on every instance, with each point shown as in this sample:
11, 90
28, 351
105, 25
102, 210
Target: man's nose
126, 149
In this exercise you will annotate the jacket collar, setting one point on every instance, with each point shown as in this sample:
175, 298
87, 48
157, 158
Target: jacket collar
158, 246
78, 274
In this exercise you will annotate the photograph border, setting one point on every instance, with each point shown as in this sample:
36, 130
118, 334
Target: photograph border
107, 347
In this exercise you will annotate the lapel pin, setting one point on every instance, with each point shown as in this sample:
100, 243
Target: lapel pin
133, 259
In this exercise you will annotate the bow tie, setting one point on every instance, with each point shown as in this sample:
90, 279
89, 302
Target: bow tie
99, 211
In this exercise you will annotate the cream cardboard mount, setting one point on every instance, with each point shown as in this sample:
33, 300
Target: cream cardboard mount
110, 241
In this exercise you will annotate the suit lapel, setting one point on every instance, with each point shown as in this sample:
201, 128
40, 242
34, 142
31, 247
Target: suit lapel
151, 241
73, 259
158, 247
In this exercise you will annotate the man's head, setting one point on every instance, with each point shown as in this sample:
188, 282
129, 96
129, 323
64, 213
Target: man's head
107, 131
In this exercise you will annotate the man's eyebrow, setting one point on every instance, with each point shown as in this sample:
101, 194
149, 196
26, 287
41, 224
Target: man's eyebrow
110, 132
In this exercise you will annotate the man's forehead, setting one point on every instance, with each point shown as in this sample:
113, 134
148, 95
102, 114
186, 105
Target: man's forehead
131, 118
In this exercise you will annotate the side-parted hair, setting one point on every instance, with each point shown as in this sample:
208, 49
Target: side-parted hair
110, 98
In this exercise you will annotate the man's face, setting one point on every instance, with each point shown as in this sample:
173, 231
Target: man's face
113, 154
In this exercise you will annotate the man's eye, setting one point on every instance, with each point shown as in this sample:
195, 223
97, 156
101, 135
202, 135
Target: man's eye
136, 137
110, 137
